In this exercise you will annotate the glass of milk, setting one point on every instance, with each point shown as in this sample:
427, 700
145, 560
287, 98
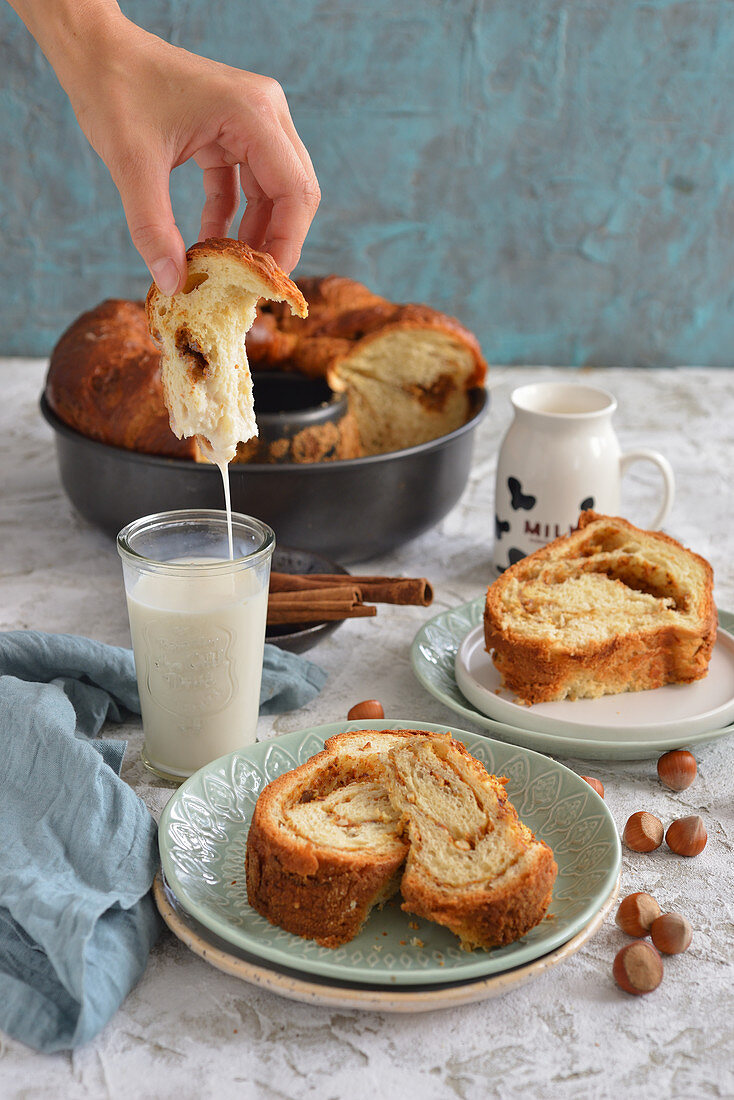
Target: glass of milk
197, 620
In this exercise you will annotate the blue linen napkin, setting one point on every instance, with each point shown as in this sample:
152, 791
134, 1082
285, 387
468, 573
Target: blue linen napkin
78, 849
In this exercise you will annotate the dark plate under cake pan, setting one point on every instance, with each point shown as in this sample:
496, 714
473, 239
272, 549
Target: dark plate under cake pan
349, 510
298, 637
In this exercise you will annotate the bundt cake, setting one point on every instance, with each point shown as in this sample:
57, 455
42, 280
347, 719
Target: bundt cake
104, 380
388, 810
408, 371
607, 609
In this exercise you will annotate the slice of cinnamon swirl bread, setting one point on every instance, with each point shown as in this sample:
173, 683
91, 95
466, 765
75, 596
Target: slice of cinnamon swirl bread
325, 843
472, 865
330, 839
607, 609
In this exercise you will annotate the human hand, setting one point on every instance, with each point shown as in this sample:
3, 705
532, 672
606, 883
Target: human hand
147, 106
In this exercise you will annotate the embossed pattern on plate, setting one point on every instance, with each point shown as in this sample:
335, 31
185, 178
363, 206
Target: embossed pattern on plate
433, 656
203, 834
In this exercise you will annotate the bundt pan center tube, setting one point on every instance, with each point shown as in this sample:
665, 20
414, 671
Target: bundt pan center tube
299, 419
350, 510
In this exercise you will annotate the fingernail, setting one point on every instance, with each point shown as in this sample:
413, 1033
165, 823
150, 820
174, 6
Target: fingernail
165, 274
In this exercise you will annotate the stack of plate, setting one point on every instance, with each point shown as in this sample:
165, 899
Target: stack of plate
450, 660
397, 963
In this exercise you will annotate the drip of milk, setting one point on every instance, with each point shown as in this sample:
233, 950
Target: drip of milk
220, 455
198, 644
224, 471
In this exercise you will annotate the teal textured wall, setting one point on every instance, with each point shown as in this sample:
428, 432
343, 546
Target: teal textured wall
560, 175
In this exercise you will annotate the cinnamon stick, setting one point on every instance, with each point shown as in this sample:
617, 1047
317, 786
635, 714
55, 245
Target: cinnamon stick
318, 613
415, 591
313, 608
342, 593
322, 604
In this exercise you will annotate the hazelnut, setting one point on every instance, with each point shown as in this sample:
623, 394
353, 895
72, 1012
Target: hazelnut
596, 784
636, 913
671, 933
643, 832
365, 711
677, 769
638, 968
687, 836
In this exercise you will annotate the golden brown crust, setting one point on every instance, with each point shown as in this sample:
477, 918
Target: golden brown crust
332, 294
329, 297
487, 918
328, 906
259, 266
343, 317
634, 661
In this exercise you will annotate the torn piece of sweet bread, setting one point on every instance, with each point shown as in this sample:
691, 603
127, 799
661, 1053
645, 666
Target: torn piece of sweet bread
201, 333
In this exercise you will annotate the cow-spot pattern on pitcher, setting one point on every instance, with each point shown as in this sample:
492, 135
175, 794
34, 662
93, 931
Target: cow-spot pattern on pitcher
521, 504
560, 457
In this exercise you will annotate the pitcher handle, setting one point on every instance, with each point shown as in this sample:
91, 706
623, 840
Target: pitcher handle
668, 479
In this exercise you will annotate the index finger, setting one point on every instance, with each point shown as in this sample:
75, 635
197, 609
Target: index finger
291, 187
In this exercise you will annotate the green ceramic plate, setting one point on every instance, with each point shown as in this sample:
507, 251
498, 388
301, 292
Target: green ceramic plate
433, 655
203, 834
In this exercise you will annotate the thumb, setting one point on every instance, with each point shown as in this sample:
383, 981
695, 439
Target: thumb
146, 199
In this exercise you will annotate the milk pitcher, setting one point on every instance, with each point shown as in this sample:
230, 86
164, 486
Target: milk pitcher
560, 457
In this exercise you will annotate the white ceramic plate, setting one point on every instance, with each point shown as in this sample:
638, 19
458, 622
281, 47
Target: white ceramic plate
674, 710
230, 960
433, 656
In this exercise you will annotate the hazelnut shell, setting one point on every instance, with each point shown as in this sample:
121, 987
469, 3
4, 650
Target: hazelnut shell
596, 784
366, 711
671, 933
643, 832
687, 836
636, 914
638, 968
677, 769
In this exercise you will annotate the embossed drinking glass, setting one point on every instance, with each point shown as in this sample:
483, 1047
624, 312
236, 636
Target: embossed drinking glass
197, 620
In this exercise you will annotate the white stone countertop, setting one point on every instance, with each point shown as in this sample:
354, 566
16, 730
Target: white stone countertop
189, 1031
